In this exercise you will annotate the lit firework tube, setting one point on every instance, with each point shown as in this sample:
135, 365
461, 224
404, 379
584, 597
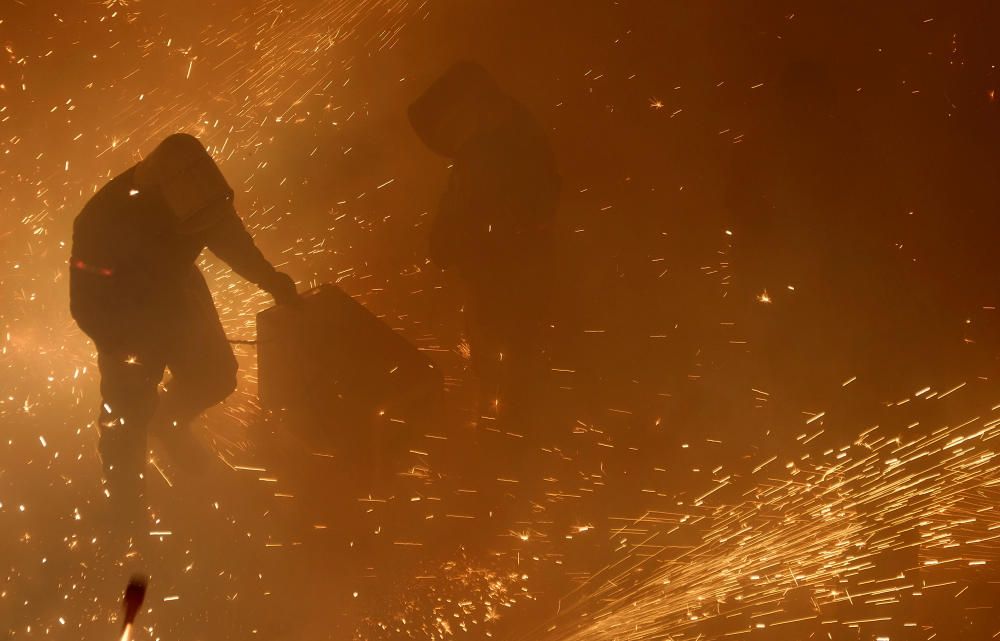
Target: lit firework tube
135, 592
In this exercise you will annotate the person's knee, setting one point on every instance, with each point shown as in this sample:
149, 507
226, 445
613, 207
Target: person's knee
191, 392
227, 384
220, 383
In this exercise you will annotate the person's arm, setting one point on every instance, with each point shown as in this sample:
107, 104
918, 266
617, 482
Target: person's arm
445, 235
229, 240
461, 230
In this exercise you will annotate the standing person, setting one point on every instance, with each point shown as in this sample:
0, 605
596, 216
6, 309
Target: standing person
136, 292
494, 229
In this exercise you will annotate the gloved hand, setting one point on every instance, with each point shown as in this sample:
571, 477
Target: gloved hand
282, 288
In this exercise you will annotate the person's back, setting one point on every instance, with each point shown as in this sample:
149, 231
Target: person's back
128, 259
497, 212
517, 187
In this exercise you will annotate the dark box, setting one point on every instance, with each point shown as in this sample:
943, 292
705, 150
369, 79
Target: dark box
333, 360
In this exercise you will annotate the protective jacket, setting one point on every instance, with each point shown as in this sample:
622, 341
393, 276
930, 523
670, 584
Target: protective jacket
494, 222
133, 256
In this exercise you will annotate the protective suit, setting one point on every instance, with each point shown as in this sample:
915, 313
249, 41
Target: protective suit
135, 290
494, 226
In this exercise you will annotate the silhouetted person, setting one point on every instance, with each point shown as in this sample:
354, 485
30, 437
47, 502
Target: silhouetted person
494, 227
135, 290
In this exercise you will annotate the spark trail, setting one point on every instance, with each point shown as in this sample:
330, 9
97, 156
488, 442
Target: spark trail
847, 541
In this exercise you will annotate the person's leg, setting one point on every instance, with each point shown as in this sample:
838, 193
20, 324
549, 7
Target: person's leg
202, 366
129, 396
523, 378
508, 358
508, 355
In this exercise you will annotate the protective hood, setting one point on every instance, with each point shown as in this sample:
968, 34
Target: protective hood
457, 107
190, 182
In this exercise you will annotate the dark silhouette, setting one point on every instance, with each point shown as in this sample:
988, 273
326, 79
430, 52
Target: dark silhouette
362, 398
135, 290
494, 228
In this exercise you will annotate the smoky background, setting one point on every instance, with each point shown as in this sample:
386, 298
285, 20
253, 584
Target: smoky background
670, 122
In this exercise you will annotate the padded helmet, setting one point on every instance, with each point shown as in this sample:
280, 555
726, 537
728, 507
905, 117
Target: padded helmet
190, 182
